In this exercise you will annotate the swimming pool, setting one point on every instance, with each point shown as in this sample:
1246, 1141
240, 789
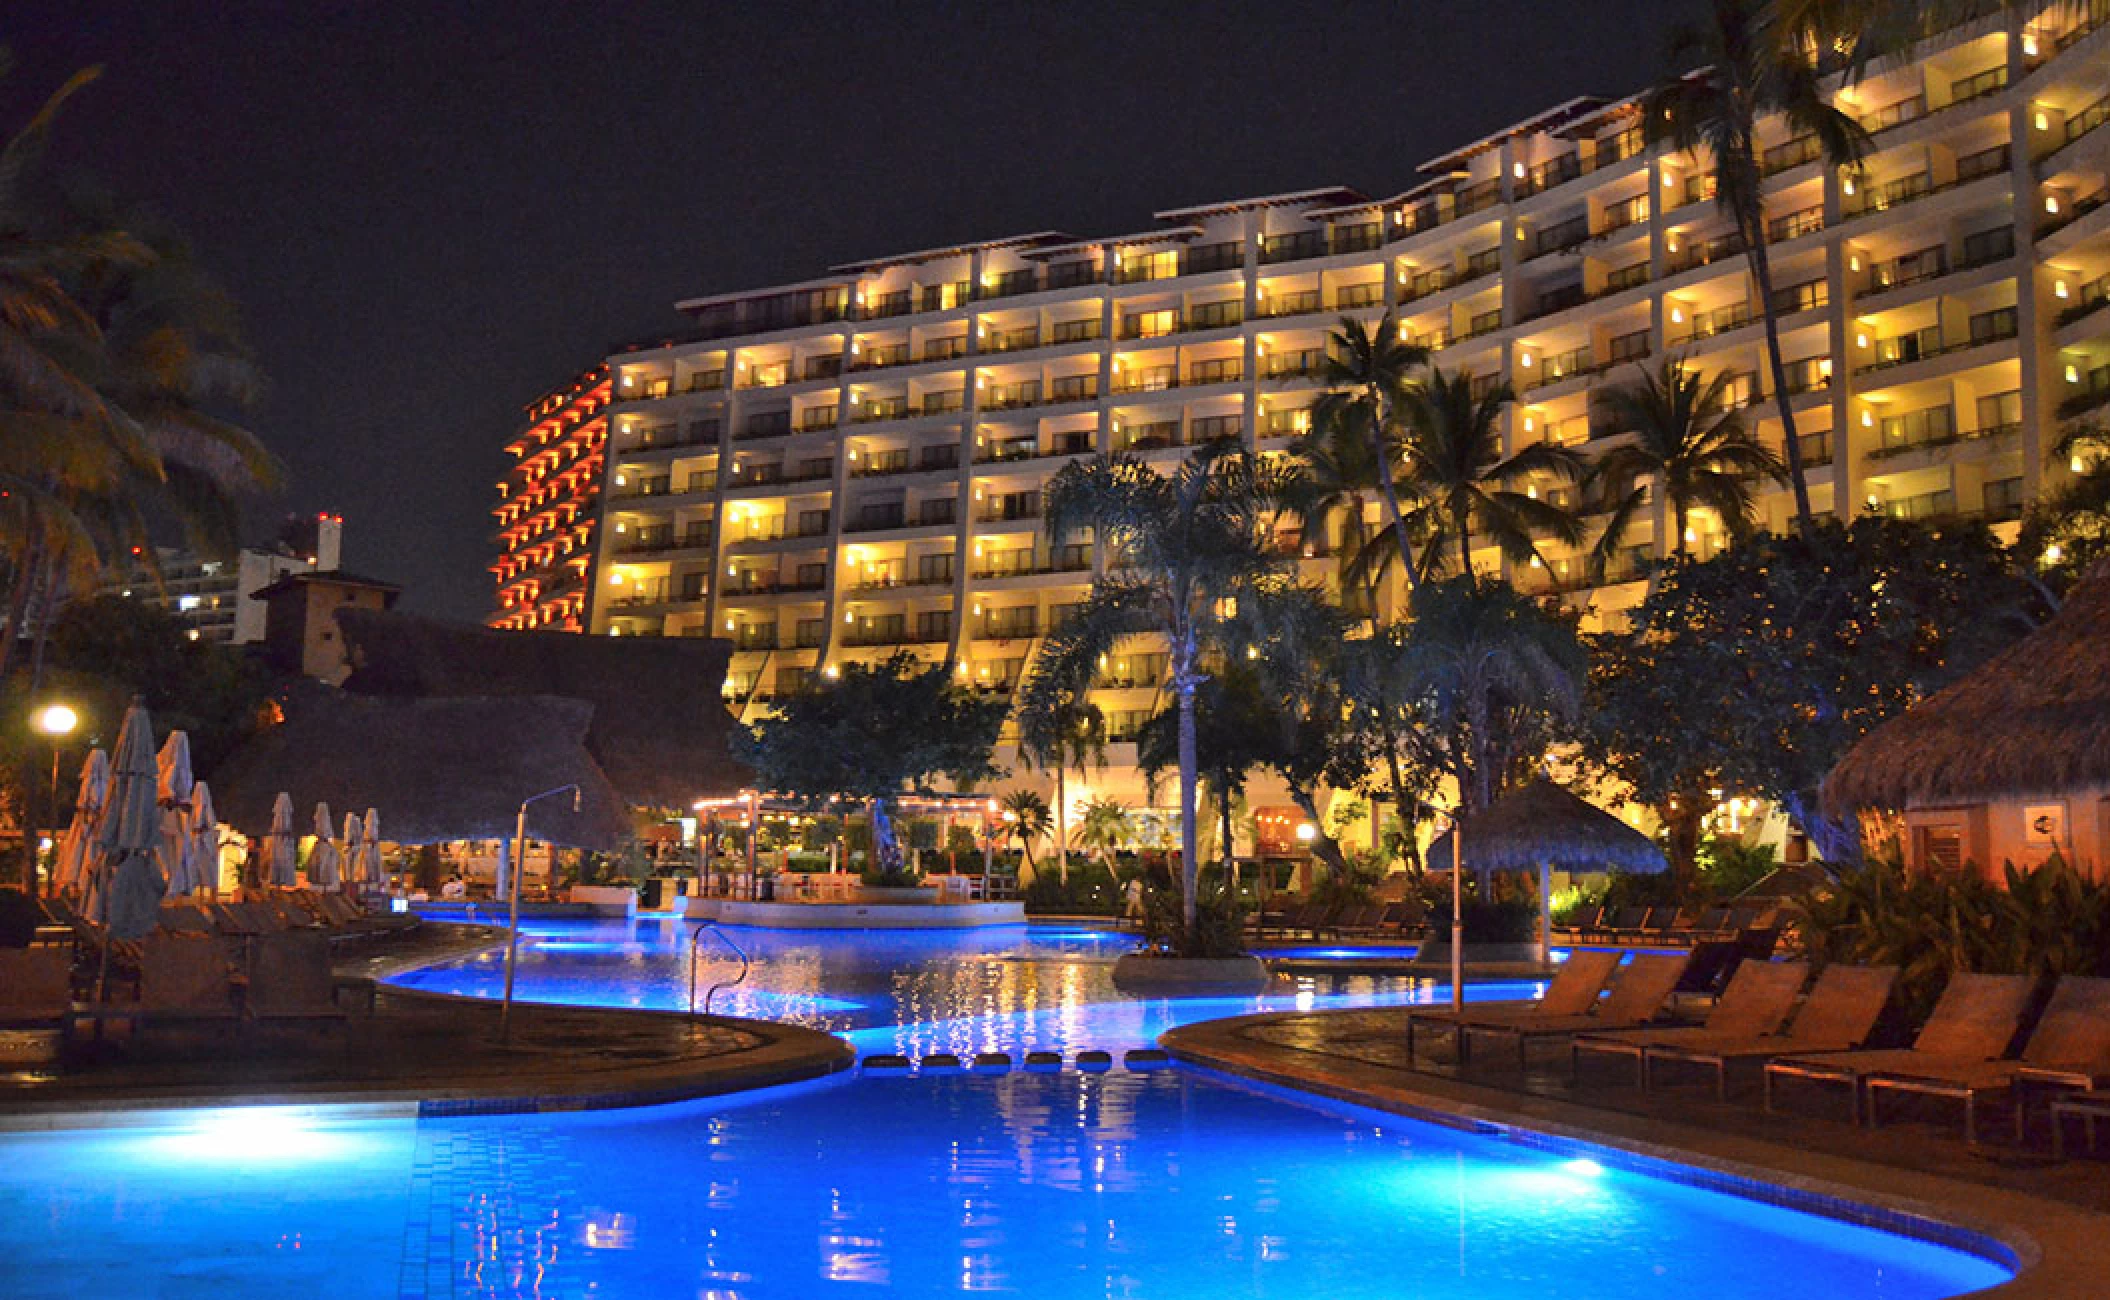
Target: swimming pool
1160, 1186
1006, 988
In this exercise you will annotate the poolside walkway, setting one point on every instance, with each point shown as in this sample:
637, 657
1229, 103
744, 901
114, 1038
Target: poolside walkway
2020, 1197
423, 1050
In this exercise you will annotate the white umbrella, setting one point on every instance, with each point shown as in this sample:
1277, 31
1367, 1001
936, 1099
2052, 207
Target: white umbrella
280, 851
354, 852
173, 781
323, 862
127, 898
75, 864
204, 838
376, 874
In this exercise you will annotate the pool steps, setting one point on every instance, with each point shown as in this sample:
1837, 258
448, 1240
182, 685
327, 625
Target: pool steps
1090, 1062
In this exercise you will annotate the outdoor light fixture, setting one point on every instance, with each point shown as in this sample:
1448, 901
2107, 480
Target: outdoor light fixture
56, 720
2058, 288
2042, 120
2051, 204
2029, 44
1306, 832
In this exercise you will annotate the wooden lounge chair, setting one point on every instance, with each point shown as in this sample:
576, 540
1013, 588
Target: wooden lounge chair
1840, 1012
2070, 1047
1574, 989
183, 979
1974, 1022
1625, 924
290, 978
1760, 998
36, 987
1638, 994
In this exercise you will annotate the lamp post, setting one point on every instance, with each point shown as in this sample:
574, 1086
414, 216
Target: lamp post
505, 1007
1458, 909
55, 721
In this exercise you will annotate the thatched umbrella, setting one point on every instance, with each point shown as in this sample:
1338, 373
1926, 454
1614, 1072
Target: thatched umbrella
2032, 720
440, 770
1541, 826
657, 725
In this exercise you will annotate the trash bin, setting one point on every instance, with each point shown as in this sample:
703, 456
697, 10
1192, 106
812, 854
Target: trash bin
768, 886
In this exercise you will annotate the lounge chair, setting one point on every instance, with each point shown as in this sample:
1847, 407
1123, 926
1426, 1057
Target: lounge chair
290, 978
1638, 994
2070, 1047
1625, 924
1840, 1012
1760, 998
1574, 989
183, 979
36, 986
1973, 1023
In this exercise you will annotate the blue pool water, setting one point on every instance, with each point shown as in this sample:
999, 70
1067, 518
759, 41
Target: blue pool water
1165, 1186
1012, 988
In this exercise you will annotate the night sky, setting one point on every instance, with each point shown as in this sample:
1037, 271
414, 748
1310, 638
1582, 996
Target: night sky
432, 212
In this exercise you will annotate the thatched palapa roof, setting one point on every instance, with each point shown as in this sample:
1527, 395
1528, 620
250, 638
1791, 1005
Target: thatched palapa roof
436, 770
659, 730
1541, 824
2034, 719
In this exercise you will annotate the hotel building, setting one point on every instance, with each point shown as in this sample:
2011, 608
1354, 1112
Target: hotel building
549, 508
848, 465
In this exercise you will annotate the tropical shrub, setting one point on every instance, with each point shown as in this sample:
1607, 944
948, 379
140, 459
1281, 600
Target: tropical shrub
1090, 890
1930, 924
1218, 929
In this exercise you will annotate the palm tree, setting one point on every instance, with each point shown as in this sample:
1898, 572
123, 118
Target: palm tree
1460, 482
1184, 548
1492, 666
1060, 730
1328, 473
1369, 372
1027, 814
1102, 829
1753, 62
1688, 443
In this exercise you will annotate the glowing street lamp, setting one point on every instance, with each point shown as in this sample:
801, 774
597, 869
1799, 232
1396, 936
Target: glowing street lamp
55, 721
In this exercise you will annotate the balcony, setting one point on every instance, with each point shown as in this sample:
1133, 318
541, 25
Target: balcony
1615, 149
1924, 344
2086, 298
772, 424
1908, 269
1226, 256
2092, 391
1781, 157
1030, 561
1721, 320
1546, 175
1302, 363
1569, 234
1292, 247
1796, 224
1909, 109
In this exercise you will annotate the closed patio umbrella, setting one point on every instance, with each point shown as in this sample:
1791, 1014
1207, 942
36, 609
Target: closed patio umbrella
71, 872
281, 853
173, 781
127, 898
325, 867
204, 839
376, 874
354, 853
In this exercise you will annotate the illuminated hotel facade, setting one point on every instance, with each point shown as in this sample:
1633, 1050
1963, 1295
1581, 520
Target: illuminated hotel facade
549, 509
835, 469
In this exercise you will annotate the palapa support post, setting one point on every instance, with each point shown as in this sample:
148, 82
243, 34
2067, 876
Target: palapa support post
1458, 912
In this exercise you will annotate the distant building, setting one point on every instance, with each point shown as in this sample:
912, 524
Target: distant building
215, 599
300, 623
550, 506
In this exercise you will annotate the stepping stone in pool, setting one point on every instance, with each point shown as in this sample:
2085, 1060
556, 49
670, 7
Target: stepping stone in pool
884, 1063
1146, 1058
941, 1063
1043, 1062
1095, 1062
992, 1063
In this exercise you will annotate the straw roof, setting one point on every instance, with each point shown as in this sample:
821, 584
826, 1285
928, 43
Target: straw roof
660, 729
438, 770
1542, 824
2034, 719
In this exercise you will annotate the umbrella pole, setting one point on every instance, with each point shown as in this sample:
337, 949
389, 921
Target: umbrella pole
505, 1006
1545, 915
1457, 913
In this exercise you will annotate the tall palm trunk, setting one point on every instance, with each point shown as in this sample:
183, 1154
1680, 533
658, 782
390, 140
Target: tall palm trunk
1762, 272
32, 560
1390, 493
1464, 518
1062, 827
1190, 914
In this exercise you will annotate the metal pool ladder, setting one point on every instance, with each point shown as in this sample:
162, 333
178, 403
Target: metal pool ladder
696, 952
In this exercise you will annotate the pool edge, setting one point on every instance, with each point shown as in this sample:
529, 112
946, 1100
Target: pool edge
2057, 1251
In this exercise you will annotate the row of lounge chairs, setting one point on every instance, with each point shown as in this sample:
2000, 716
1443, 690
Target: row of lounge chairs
1322, 919
1674, 926
1963, 1052
263, 960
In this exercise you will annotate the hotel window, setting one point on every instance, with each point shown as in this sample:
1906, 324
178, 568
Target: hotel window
1152, 324
1074, 331
934, 568
1999, 411
934, 625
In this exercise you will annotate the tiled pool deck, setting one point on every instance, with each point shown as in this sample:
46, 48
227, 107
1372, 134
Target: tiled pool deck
2053, 1217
